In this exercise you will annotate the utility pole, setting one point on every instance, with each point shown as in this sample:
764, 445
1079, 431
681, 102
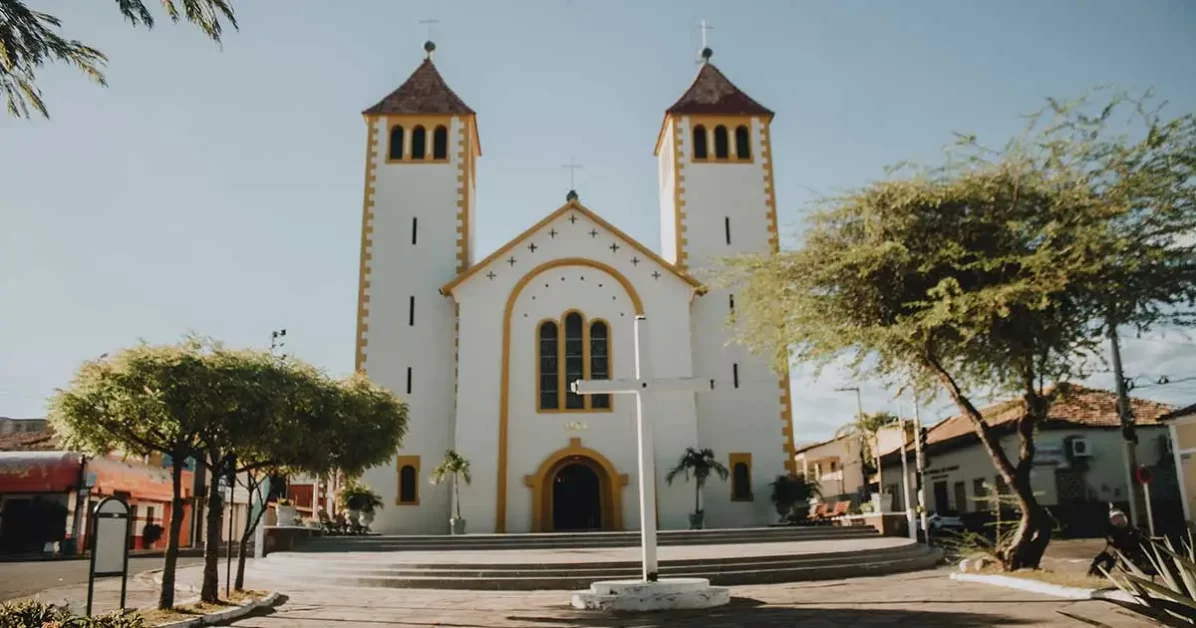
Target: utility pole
859, 406
909, 508
920, 469
1126, 416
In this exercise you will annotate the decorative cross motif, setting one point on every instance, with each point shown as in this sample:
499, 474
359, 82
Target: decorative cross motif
490, 275
656, 274
593, 233
573, 168
705, 28
532, 247
572, 218
552, 233
635, 261
614, 247
511, 260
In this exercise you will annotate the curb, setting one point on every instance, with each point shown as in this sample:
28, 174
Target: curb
1034, 586
222, 616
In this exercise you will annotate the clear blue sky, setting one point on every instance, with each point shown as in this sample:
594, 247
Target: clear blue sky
219, 190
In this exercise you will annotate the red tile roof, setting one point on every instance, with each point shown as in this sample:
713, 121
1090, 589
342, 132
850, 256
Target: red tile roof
423, 92
1077, 406
712, 94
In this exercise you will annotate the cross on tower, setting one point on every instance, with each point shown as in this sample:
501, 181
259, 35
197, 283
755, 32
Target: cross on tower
705, 28
428, 23
645, 387
572, 168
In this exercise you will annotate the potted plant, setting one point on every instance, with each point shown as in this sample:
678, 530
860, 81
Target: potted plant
286, 512
791, 495
359, 500
454, 467
701, 464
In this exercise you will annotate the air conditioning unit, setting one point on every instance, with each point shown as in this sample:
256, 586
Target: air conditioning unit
1165, 445
1080, 448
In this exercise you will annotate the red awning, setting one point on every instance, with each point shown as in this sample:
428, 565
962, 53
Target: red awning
38, 471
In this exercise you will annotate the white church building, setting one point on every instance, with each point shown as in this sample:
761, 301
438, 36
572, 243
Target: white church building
554, 305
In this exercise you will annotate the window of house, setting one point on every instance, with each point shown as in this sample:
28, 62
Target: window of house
568, 350
408, 480
980, 491
961, 497
741, 477
722, 143
419, 143
396, 143
700, 150
743, 146
440, 143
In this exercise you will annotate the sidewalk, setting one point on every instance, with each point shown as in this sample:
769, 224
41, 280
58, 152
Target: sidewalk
141, 592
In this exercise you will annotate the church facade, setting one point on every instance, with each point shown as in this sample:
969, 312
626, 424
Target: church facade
555, 305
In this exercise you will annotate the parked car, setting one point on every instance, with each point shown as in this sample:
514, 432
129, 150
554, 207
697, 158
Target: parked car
939, 521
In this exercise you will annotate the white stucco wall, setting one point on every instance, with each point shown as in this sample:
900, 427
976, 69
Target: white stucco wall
400, 270
666, 183
747, 418
534, 436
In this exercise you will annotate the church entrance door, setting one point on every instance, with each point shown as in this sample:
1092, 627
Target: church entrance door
576, 497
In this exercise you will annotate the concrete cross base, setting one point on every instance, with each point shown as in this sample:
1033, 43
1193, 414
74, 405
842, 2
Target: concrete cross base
638, 595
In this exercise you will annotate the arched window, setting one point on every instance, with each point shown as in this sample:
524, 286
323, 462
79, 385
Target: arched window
721, 142
699, 142
549, 366
575, 367
743, 146
599, 361
419, 143
396, 143
440, 143
408, 480
741, 477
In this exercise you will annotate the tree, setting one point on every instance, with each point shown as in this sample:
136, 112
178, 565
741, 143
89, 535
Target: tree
790, 493
995, 272
29, 39
699, 463
142, 400
456, 467
864, 430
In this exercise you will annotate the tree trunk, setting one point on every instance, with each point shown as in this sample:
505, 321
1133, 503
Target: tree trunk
1025, 547
210, 592
457, 495
697, 498
166, 595
251, 523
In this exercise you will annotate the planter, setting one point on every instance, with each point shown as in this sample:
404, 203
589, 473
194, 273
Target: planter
367, 518
457, 526
696, 520
355, 517
286, 515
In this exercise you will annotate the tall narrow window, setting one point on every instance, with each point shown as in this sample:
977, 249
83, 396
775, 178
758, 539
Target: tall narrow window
700, 142
414, 230
396, 143
549, 395
741, 477
743, 146
575, 368
727, 228
731, 300
419, 143
722, 144
599, 361
440, 143
408, 380
411, 311
408, 481
735, 374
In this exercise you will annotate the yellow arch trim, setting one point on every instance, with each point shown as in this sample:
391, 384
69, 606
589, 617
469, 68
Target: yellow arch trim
610, 483
504, 401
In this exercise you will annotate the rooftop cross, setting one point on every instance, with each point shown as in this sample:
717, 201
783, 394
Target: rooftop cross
573, 168
429, 46
706, 51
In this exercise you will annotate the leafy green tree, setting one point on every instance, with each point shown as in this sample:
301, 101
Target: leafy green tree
456, 467
29, 39
700, 463
996, 272
142, 400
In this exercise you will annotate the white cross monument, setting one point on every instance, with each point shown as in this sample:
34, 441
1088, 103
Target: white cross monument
649, 593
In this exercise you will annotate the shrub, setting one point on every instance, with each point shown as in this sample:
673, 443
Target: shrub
38, 614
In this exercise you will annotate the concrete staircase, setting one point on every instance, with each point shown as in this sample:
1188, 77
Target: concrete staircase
573, 561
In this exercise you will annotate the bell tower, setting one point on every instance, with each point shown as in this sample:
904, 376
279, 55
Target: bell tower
416, 235
717, 199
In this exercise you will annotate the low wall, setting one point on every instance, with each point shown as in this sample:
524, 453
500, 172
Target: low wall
286, 538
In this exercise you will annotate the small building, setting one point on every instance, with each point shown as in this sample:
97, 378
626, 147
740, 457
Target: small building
835, 466
1079, 462
1181, 426
42, 487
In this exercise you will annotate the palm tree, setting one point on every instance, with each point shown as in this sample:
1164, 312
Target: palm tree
864, 429
453, 466
700, 463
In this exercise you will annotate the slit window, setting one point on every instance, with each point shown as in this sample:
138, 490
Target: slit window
440, 143
731, 301
743, 146
411, 311
727, 229
735, 374
700, 150
419, 143
408, 380
396, 143
414, 230
722, 144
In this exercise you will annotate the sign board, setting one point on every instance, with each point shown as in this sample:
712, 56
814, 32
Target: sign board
110, 525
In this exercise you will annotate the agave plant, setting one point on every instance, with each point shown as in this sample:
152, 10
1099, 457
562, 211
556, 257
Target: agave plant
1169, 598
